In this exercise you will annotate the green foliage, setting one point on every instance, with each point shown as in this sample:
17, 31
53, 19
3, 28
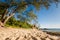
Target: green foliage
19, 8
21, 5
16, 23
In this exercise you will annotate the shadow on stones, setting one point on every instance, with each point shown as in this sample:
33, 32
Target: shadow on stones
17, 38
7, 39
34, 38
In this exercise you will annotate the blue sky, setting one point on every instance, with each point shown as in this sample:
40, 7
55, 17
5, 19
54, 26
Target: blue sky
49, 18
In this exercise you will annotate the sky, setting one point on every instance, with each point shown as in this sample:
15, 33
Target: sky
49, 18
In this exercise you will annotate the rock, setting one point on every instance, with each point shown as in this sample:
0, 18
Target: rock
47, 39
53, 37
25, 34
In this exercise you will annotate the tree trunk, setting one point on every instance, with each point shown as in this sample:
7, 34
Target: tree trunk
6, 11
4, 14
8, 18
1, 24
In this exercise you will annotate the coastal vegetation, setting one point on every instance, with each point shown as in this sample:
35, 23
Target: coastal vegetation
20, 12
16, 15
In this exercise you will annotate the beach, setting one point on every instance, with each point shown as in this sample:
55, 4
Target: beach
25, 34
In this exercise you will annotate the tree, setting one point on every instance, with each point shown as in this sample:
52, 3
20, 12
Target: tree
9, 8
17, 23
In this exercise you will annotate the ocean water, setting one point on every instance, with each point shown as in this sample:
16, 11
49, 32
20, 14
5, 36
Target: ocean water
51, 30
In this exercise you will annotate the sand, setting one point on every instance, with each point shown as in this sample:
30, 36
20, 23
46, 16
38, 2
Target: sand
25, 34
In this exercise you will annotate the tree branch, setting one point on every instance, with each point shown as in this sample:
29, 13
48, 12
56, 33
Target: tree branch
8, 17
4, 15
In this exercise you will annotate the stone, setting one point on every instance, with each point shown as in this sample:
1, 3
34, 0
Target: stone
25, 34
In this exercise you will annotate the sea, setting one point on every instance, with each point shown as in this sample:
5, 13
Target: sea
51, 29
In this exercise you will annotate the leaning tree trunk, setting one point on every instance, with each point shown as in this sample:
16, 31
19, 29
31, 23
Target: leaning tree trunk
4, 22
1, 24
8, 18
4, 15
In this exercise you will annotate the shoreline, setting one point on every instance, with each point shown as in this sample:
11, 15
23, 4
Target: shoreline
25, 34
53, 33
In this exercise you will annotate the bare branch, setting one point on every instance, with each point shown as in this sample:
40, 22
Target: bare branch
8, 17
